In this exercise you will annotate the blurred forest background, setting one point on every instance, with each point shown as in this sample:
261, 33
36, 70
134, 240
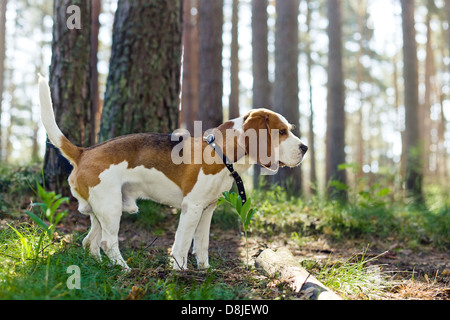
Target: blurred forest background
367, 82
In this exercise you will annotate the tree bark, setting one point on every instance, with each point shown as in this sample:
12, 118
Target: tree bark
335, 138
143, 85
70, 85
95, 98
412, 136
260, 56
189, 97
286, 101
283, 265
210, 63
3, 5
234, 80
311, 135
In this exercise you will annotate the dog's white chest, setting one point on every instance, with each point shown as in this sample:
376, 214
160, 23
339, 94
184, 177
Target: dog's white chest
210, 187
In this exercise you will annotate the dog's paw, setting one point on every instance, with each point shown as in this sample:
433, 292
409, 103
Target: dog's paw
203, 265
178, 263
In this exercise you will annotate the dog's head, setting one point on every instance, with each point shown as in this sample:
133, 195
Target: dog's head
267, 138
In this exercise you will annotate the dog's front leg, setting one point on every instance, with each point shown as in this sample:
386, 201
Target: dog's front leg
189, 219
201, 237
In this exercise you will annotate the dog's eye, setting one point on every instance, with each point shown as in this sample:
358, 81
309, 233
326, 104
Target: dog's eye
283, 132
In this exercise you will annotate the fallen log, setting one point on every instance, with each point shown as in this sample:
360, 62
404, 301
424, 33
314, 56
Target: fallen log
283, 264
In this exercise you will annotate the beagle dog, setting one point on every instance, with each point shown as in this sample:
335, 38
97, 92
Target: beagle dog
108, 178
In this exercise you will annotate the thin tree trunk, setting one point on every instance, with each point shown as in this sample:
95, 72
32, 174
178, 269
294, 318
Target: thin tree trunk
260, 57
359, 79
189, 102
3, 5
286, 82
234, 95
335, 140
413, 148
401, 130
210, 63
311, 135
425, 109
95, 98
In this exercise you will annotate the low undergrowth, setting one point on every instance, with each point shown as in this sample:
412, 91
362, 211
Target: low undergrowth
39, 263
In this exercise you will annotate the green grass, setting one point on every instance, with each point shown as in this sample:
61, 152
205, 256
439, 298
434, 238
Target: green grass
46, 278
36, 267
368, 215
352, 278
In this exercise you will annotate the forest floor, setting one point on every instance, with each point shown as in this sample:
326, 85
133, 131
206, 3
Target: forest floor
419, 274
373, 248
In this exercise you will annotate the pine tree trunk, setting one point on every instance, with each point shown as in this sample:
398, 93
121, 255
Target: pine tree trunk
189, 102
286, 101
311, 135
335, 139
234, 95
260, 55
3, 4
210, 63
413, 149
95, 98
362, 6
143, 85
70, 86
425, 109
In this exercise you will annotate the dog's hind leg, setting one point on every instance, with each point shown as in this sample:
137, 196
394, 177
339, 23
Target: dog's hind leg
92, 240
108, 212
110, 237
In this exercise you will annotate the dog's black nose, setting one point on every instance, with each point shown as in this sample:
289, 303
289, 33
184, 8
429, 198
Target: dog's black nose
303, 148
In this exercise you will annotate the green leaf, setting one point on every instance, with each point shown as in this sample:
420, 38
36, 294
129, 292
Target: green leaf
248, 219
60, 215
246, 206
39, 204
20, 235
233, 199
57, 203
244, 210
221, 201
39, 222
238, 204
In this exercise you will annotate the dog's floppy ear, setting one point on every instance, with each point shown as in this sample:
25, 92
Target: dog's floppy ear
257, 139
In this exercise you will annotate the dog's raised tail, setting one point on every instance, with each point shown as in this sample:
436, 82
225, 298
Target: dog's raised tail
56, 137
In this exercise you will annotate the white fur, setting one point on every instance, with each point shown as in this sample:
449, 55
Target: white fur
290, 152
47, 115
238, 123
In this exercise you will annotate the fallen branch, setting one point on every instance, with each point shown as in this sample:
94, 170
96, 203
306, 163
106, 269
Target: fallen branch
283, 264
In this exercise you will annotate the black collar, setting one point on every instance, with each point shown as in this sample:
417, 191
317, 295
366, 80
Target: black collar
210, 139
